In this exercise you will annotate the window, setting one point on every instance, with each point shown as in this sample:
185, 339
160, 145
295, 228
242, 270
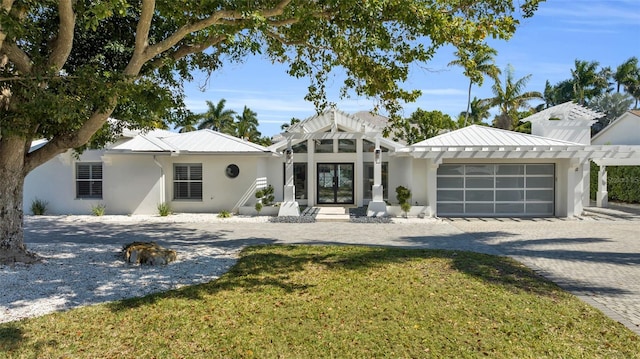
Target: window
300, 147
368, 146
299, 178
232, 171
368, 180
347, 146
187, 181
88, 180
324, 146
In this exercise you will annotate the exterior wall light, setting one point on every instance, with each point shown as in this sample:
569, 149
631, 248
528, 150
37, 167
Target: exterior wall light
377, 154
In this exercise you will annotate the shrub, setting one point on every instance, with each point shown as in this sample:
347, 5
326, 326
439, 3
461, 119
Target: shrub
164, 209
224, 214
623, 183
39, 207
99, 209
258, 207
403, 194
265, 196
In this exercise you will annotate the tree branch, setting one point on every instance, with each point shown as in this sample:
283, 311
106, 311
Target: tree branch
219, 17
6, 6
60, 144
142, 38
19, 58
64, 41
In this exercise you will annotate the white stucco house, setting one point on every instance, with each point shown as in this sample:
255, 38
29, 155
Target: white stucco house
337, 159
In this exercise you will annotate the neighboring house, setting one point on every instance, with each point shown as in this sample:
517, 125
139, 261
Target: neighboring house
619, 137
625, 130
334, 159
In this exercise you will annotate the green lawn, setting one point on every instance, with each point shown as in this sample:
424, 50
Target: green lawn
342, 302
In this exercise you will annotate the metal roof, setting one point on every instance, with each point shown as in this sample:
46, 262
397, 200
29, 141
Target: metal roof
483, 136
337, 124
566, 111
202, 141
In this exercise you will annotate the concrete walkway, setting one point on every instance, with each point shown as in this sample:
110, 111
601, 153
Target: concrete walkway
596, 258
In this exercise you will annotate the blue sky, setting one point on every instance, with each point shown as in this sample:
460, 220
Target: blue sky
545, 46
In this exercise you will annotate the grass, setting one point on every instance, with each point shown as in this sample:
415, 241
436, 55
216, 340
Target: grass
343, 302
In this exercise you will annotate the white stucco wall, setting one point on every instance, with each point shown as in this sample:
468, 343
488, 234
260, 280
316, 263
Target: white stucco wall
219, 192
54, 183
579, 134
624, 131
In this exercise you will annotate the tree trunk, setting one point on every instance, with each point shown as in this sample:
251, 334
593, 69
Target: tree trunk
12, 248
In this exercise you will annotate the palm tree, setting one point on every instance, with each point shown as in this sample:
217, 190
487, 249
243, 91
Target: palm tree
625, 72
510, 98
217, 118
476, 64
478, 112
285, 126
587, 81
246, 125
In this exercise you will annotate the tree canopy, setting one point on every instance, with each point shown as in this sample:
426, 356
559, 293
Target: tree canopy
67, 66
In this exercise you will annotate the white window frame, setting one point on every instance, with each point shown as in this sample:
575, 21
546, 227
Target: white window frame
189, 180
95, 177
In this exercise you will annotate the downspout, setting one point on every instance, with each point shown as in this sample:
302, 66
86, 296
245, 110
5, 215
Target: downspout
162, 194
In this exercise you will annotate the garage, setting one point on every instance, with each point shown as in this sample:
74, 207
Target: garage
496, 190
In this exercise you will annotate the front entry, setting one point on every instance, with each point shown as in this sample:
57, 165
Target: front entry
335, 183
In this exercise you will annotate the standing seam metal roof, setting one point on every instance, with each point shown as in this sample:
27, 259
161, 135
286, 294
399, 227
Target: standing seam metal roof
482, 136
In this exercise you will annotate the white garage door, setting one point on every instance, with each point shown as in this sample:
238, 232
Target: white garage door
496, 190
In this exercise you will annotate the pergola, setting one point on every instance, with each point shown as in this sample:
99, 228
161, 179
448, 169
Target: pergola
611, 155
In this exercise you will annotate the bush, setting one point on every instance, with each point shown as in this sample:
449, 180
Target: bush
258, 207
164, 209
98, 210
39, 207
224, 214
265, 196
403, 194
623, 183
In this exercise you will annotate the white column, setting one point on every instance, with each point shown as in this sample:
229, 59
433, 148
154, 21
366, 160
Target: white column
377, 207
312, 178
289, 206
602, 196
359, 174
432, 188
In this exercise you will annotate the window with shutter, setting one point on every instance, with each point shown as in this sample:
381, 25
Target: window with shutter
187, 181
89, 180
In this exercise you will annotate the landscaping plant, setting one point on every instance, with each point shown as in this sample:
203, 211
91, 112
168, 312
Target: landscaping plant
98, 209
39, 207
403, 195
164, 209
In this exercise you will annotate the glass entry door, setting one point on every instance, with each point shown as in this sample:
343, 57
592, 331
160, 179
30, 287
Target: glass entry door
335, 183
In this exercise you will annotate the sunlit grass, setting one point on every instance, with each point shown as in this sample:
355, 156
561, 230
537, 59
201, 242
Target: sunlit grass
337, 301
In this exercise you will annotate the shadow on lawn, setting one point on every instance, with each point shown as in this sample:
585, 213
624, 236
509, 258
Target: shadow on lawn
261, 267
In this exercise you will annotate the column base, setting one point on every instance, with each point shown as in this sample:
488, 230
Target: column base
602, 199
377, 209
289, 209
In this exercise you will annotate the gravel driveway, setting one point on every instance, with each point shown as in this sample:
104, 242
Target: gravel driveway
597, 257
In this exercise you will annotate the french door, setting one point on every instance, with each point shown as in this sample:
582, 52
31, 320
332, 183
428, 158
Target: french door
335, 183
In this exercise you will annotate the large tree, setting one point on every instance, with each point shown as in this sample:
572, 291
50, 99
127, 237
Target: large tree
217, 118
420, 126
588, 82
246, 125
626, 72
477, 63
66, 66
510, 97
